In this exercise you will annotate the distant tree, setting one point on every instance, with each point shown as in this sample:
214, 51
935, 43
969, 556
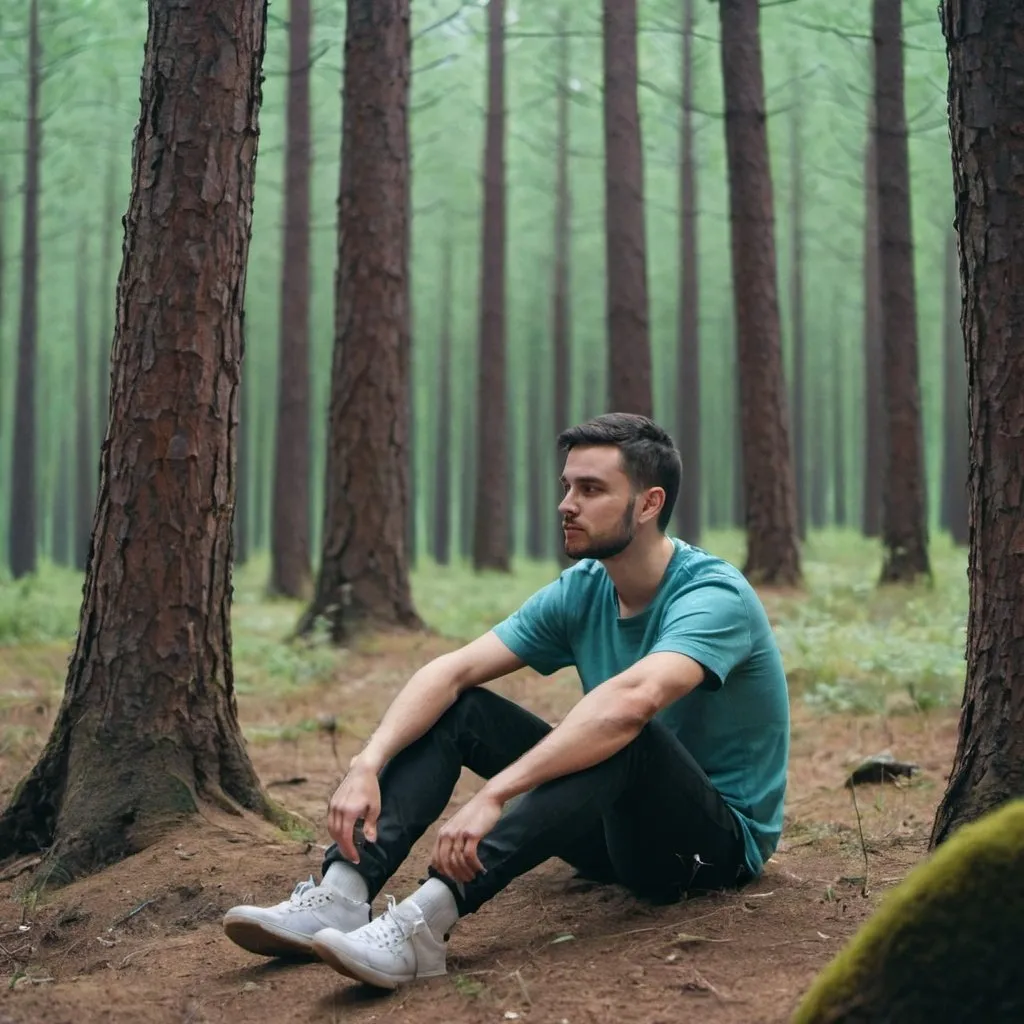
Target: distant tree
954, 406
986, 108
769, 492
688, 383
492, 519
3, 368
904, 504
155, 629
629, 346
798, 322
290, 570
364, 566
874, 398
444, 457
22, 538
85, 451
538, 444
840, 513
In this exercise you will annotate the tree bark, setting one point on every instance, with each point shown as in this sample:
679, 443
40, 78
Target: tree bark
443, 458
561, 330
796, 298
243, 503
491, 532
85, 487
290, 571
22, 537
688, 384
148, 728
629, 346
985, 110
954, 404
773, 550
904, 503
364, 569
874, 398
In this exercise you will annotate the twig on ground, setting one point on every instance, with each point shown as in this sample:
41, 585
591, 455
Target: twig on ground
20, 868
522, 987
863, 845
135, 910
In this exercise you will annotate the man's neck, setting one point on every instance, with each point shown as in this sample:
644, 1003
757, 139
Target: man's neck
638, 572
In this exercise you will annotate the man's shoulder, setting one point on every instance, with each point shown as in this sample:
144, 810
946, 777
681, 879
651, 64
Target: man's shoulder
696, 568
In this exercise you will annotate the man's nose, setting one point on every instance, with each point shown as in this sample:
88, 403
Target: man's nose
567, 504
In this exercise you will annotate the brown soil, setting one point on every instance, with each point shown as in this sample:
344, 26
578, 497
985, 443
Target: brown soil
141, 942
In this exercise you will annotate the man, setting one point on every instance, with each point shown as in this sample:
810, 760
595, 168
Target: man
667, 776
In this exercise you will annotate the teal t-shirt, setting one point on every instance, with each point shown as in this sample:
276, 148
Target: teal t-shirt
735, 724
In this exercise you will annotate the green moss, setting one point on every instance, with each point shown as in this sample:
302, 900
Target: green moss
945, 945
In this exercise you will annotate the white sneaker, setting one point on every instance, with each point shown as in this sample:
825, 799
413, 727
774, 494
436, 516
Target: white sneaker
392, 949
287, 929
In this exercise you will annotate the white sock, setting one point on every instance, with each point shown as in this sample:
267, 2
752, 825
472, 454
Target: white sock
343, 878
437, 904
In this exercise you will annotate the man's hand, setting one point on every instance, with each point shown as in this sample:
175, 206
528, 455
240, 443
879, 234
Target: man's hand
455, 850
358, 797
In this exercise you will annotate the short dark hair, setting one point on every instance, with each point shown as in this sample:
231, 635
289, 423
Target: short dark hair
649, 456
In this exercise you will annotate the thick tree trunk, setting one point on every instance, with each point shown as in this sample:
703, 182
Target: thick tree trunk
148, 727
22, 537
796, 299
688, 404
364, 568
986, 109
444, 458
773, 550
954, 407
840, 513
629, 346
561, 330
290, 571
904, 503
874, 396
492, 533
85, 453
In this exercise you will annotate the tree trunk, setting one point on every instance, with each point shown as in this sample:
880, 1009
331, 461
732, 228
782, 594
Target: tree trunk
467, 487
904, 505
443, 458
492, 519
106, 291
818, 475
840, 513
85, 453
241, 521
688, 405
561, 331
796, 298
773, 550
3, 367
61, 546
290, 570
538, 442
874, 397
629, 347
738, 508
986, 109
155, 630
364, 570
22, 538
954, 406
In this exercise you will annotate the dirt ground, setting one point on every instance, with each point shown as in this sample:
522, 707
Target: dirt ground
141, 942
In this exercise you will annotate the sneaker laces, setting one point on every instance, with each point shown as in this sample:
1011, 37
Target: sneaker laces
389, 930
308, 896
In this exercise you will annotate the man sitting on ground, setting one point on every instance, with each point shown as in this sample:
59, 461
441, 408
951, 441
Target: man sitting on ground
667, 776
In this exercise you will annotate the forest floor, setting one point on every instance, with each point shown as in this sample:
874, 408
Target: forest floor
141, 942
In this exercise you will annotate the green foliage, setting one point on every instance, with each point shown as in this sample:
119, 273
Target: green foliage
944, 945
40, 608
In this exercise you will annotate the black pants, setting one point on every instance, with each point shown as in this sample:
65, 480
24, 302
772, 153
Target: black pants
647, 817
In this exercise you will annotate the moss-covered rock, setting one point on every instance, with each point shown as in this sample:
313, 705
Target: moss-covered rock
947, 945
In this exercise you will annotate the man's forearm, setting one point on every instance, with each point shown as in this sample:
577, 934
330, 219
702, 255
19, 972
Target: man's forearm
599, 726
418, 705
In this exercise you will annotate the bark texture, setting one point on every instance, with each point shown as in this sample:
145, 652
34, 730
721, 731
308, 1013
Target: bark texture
443, 457
492, 519
22, 537
986, 109
688, 384
769, 492
954, 407
904, 502
290, 571
85, 453
364, 565
148, 728
874, 396
629, 346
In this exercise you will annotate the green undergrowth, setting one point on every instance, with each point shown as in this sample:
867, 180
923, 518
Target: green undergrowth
849, 646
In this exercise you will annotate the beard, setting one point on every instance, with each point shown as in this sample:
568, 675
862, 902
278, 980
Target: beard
610, 544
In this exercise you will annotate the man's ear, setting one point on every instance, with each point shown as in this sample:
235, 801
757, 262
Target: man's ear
653, 503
